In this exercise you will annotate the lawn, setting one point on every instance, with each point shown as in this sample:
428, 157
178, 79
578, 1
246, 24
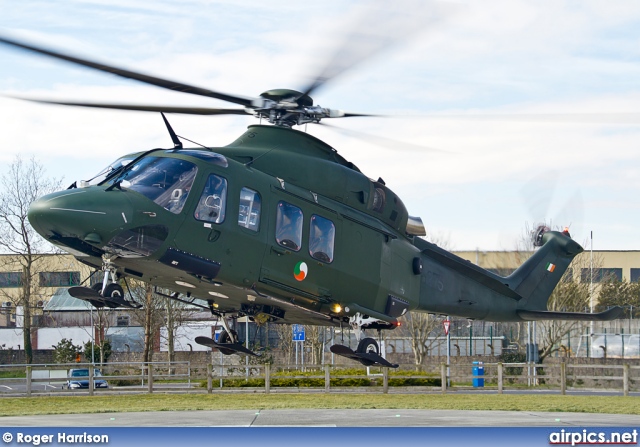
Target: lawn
238, 401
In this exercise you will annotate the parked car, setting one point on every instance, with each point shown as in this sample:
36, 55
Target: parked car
79, 378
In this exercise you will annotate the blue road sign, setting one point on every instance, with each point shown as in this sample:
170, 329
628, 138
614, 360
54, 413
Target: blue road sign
298, 332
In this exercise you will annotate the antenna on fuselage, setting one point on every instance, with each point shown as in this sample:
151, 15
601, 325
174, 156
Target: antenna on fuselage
177, 144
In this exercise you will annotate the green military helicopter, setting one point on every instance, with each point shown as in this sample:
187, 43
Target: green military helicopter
278, 227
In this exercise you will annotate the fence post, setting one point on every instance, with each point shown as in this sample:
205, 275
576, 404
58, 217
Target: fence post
267, 378
29, 380
443, 377
500, 378
92, 384
327, 378
209, 378
625, 379
563, 377
150, 378
385, 380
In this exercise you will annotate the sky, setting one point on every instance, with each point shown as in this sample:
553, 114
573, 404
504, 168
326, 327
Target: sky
498, 114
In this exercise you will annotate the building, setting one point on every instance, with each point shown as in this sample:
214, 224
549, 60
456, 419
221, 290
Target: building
57, 315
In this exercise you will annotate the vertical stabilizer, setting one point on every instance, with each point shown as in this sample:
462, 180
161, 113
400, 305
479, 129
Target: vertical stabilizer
535, 280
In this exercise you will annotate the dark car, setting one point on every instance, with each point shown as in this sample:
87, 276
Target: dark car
79, 378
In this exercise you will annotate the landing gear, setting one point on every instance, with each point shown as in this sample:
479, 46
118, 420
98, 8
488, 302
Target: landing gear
227, 338
368, 346
368, 350
109, 293
113, 290
227, 343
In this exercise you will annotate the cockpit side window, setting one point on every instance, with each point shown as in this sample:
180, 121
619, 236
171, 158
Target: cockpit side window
166, 181
322, 236
289, 226
212, 204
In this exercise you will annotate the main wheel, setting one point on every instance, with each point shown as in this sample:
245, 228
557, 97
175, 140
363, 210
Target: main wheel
368, 346
225, 337
113, 290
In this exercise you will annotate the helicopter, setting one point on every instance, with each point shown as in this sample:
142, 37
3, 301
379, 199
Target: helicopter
278, 227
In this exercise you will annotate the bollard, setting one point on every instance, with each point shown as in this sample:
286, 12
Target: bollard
385, 380
28, 381
443, 377
327, 378
625, 379
150, 378
209, 378
267, 378
500, 378
92, 384
563, 377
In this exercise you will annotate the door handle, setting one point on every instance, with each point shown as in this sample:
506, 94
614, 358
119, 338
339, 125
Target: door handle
280, 251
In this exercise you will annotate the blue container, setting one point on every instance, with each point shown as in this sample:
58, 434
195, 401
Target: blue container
478, 370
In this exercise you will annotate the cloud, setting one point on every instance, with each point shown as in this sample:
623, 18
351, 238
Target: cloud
541, 62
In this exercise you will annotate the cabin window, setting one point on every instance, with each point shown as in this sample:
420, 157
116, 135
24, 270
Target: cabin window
249, 213
322, 237
166, 181
379, 199
212, 204
289, 226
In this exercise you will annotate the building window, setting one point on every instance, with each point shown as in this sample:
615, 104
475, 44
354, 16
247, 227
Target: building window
212, 203
635, 275
10, 279
122, 320
289, 226
322, 236
249, 214
568, 275
601, 275
59, 279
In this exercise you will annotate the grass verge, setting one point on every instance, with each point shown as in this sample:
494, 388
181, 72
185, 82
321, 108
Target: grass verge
182, 402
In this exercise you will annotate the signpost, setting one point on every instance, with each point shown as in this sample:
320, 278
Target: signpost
447, 324
298, 338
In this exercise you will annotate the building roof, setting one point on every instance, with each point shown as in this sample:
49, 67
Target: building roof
62, 301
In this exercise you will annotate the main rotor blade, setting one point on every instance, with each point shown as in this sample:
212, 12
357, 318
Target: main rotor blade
388, 143
159, 82
145, 108
377, 28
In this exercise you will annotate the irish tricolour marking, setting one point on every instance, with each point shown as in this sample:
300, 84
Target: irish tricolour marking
300, 271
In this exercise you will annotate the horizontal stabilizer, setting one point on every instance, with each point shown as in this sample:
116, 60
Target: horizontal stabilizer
607, 315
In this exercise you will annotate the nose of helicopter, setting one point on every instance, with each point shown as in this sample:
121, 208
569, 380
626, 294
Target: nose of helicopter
87, 216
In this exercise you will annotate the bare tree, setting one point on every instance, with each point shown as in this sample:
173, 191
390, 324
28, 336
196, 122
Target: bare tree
149, 316
314, 338
24, 182
285, 340
424, 330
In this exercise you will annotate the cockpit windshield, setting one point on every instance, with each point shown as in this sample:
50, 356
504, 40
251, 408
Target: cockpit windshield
114, 167
166, 181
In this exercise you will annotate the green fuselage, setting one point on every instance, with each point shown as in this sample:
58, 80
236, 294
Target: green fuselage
275, 225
